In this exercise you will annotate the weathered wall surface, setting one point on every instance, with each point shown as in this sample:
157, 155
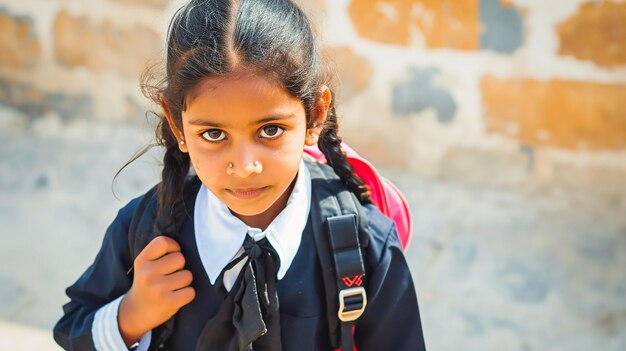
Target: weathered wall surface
482, 99
531, 91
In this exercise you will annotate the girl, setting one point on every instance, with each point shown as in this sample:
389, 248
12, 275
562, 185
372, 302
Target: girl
244, 91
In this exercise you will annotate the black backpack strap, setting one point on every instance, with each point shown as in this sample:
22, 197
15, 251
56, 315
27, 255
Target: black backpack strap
138, 215
141, 231
340, 242
350, 271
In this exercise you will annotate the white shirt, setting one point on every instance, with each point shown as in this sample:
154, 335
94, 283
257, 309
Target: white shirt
219, 238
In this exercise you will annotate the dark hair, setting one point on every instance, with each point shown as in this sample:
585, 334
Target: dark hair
209, 38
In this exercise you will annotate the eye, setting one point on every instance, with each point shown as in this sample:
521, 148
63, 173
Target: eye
271, 132
214, 135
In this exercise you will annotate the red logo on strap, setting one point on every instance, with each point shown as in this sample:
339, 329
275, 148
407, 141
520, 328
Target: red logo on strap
356, 280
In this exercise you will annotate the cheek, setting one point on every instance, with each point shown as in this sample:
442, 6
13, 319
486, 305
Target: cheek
293, 146
285, 158
197, 164
203, 162
203, 157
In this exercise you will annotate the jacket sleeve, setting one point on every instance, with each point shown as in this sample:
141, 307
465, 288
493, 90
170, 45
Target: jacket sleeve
104, 281
391, 320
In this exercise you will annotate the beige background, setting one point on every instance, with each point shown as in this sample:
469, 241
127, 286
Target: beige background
504, 123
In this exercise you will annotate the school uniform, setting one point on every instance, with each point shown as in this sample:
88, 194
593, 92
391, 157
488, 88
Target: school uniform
210, 238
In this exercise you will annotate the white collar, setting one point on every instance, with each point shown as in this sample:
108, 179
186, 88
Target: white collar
219, 234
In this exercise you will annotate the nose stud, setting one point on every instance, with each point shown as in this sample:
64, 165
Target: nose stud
257, 167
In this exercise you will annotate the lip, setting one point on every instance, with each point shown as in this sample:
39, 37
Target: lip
247, 193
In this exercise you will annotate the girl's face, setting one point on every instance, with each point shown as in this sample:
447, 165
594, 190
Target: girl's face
245, 135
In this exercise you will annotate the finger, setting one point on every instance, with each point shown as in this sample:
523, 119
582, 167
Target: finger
183, 296
170, 263
158, 247
178, 280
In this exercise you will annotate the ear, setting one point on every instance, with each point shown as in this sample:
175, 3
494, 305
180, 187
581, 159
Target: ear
175, 131
319, 113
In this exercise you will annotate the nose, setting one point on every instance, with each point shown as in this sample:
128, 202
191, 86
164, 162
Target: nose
244, 162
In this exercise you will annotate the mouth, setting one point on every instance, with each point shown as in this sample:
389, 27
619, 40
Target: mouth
248, 193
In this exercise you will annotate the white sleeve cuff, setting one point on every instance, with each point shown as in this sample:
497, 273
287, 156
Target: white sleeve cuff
106, 331
144, 342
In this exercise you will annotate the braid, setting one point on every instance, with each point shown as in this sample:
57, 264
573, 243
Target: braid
330, 145
171, 211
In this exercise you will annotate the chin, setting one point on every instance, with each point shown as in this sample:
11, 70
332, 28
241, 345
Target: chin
252, 210
247, 212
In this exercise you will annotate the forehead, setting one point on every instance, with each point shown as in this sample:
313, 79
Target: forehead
242, 95
244, 81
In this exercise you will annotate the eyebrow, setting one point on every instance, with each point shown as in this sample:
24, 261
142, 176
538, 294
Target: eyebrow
274, 117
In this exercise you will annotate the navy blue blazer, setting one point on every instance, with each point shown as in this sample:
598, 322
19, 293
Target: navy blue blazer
391, 320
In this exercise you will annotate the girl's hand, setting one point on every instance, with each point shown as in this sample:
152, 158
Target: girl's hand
160, 288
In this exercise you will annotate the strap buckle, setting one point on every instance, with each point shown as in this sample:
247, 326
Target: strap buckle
352, 303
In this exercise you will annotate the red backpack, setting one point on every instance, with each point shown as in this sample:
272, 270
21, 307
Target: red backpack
385, 195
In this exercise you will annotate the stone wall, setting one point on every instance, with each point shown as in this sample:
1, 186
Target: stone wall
502, 92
